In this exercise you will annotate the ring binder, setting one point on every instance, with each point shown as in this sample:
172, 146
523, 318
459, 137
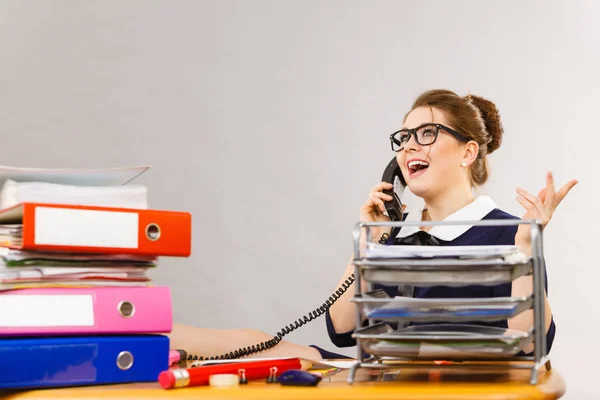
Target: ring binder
452, 337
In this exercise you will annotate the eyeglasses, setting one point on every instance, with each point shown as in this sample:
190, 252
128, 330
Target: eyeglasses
425, 135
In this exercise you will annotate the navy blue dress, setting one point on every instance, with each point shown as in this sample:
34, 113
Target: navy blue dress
474, 235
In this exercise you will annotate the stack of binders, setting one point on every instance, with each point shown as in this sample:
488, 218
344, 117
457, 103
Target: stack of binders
76, 304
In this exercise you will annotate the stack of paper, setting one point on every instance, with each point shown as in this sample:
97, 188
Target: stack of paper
100, 188
30, 269
126, 196
375, 250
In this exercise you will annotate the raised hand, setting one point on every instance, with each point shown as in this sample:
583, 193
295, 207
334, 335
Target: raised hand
541, 207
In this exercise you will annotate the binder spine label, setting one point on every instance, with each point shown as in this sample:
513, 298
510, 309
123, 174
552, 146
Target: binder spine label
90, 228
37, 310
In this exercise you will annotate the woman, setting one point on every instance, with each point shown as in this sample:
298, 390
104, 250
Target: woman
442, 153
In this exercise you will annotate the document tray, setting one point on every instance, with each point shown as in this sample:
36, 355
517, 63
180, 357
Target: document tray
442, 341
448, 272
379, 306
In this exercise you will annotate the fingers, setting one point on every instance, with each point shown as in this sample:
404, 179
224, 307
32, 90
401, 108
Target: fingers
376, 196
565, 190
542, 195
379, 204
382, 196
382, 186
550, 190
534, 200
527, 204
375, 202
533, 204
548, 196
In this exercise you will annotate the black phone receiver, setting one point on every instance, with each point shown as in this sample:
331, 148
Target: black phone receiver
393, 175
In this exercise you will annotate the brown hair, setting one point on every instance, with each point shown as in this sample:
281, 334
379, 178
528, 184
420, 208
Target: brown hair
476, 118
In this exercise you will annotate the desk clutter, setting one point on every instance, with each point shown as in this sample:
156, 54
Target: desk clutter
77, 305
290, 371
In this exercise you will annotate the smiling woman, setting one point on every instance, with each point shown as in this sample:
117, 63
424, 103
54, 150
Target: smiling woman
442, 152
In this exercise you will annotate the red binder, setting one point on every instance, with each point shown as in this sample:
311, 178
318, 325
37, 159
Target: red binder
87, 229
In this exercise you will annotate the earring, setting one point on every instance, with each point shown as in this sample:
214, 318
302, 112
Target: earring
464, 164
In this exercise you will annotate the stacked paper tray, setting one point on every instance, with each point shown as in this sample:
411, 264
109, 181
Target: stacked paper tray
442, 341
379, 306
448, 272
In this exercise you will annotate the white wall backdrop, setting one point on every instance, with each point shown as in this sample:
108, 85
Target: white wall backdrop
269, 122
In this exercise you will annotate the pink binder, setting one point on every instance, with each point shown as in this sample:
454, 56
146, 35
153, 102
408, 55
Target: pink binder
86, 311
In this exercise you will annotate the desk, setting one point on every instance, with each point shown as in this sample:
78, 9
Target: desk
411, 384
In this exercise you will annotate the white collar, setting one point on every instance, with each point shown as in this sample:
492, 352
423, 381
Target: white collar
473, 211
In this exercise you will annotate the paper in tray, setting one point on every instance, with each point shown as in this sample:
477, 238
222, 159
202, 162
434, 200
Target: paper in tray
376, 250
377, 305
435, 272
445, 341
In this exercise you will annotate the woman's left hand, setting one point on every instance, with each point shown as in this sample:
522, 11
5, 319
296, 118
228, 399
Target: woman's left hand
541, 207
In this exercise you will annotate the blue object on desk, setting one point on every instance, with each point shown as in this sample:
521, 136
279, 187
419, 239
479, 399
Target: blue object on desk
298, 377
42, 362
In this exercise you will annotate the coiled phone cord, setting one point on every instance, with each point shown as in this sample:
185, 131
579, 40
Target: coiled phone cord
246, 351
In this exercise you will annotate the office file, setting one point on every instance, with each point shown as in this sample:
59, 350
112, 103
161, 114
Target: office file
75, 361
91, 229
85, 311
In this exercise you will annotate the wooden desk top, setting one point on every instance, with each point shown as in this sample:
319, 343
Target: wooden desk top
411, 384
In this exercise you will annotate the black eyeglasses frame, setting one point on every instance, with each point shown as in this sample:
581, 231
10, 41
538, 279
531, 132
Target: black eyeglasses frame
413, 132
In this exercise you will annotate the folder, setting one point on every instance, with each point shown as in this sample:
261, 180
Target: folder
85, 311
75, 361
92, 229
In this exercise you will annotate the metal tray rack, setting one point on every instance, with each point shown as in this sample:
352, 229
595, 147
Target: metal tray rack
441, 330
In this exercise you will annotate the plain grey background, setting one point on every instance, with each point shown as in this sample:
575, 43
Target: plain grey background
269, 122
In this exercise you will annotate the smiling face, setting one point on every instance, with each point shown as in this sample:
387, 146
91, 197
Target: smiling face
433, 169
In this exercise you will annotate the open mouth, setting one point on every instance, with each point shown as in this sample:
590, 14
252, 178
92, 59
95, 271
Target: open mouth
417, 168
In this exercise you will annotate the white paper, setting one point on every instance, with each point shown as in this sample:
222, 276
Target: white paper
124, 196
73, 176
375, 250
9, 254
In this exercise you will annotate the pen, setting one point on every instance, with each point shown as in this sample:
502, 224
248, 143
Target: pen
252, 370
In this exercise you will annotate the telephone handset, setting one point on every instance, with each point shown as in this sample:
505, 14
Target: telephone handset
393, 175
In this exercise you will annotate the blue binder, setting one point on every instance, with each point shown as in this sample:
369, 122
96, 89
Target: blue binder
44, 362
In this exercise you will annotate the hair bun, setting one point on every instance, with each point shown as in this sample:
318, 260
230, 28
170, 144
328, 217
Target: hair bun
491, 119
